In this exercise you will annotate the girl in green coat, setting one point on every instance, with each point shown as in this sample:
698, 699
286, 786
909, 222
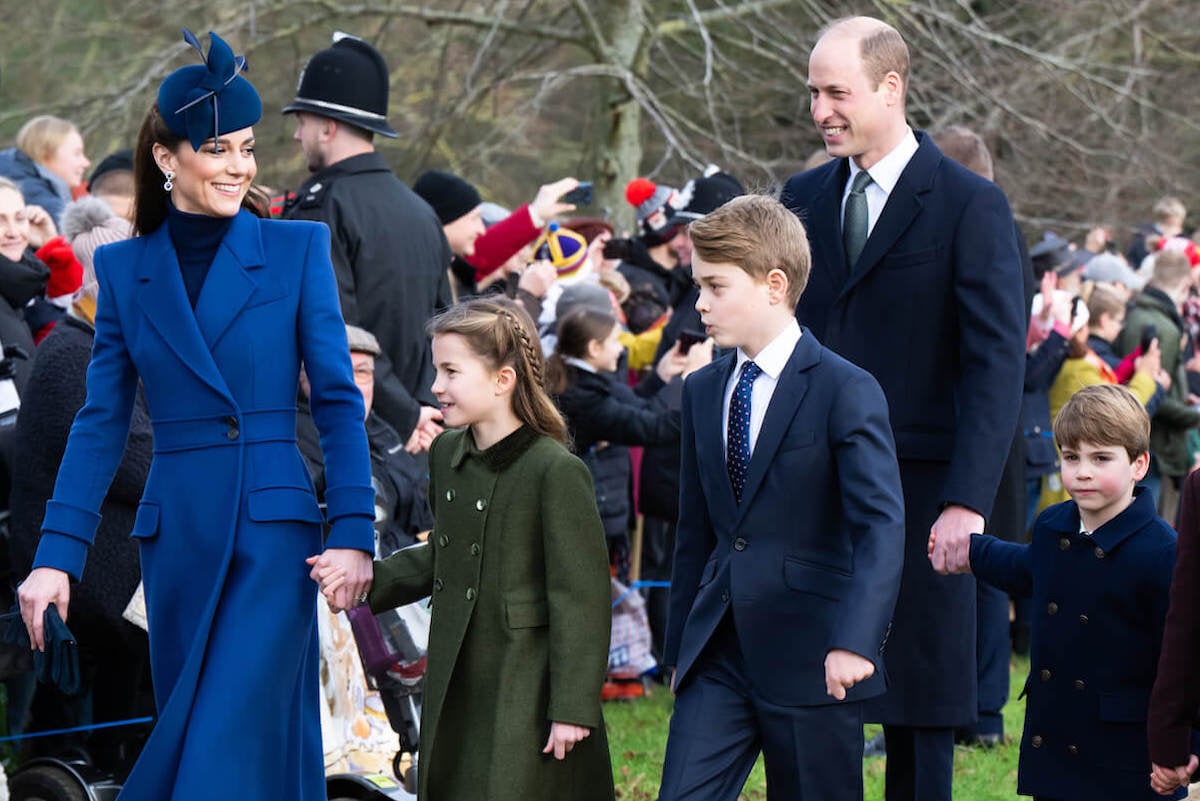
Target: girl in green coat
518, 573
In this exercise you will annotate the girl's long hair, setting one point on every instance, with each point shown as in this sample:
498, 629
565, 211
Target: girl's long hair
150, 200
578, 328
500, 332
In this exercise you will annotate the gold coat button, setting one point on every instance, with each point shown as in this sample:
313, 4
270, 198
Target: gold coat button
481, 504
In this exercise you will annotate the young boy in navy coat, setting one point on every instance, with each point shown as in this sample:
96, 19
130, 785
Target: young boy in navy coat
790, 538
1099, 572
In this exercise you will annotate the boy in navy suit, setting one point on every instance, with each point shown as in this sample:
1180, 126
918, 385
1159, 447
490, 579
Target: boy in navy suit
790, 536
1099, 572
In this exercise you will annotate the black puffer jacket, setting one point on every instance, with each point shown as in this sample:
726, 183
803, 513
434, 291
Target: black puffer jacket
55, 392
604, 417
20, 282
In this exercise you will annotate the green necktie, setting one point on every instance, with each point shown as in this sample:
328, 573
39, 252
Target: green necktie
854, 222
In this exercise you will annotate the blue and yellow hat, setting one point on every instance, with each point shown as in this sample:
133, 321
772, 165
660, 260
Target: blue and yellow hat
565, 249
206, 100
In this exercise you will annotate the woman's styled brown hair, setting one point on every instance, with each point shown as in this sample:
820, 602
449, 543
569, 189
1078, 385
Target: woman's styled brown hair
500, 332
579, 327
150, 200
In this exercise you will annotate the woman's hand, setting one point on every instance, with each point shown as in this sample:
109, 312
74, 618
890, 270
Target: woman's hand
344, 576
41, 226
44, 586
563, 737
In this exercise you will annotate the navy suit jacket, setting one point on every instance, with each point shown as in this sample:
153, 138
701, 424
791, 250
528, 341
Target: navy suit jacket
810, 559
933, 309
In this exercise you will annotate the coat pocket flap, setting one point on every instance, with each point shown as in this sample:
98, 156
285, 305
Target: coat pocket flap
283, 503
145, 525
1124, 706
527, 614
828, 582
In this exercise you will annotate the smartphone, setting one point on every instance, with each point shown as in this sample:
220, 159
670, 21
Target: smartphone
689, 337
580, 195
1149, 334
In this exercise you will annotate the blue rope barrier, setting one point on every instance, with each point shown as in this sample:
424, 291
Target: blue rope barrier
75, 729
639, 585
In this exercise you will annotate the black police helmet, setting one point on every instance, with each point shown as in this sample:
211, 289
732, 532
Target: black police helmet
347, 82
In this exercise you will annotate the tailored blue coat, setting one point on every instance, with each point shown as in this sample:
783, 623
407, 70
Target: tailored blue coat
1099, 606
228, 514
933, 309
809, 561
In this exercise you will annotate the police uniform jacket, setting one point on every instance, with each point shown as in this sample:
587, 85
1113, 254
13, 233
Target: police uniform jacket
518, 573
1099, 604
228, 514
391, 260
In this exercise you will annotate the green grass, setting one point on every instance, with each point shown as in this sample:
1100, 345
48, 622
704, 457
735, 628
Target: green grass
637, 736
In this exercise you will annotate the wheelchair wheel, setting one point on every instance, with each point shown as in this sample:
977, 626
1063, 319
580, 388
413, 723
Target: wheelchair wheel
45, 783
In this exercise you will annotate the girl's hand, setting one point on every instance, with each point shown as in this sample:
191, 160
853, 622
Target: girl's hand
563, 737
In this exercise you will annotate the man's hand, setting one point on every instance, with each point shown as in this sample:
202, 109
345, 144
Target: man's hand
844, 669
546, 206
563, 737
427, 428
1164, 781
344, 576
950, 539
43, 587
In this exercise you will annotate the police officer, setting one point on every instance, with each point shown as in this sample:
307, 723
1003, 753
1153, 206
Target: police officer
389, 252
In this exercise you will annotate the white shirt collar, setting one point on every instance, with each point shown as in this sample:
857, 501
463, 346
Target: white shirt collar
886, 171
581, 364
774, 357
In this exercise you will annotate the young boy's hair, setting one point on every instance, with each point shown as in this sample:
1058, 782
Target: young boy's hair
757, 234
1107, 415
1103, 301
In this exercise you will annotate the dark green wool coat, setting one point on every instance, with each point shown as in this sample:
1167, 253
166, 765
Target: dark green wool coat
518, 572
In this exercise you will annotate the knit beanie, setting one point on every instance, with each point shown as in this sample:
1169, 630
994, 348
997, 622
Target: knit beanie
450, 196
655, 205
87, 224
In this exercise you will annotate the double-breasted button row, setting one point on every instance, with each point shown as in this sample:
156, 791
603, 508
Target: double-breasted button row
232, 432
739, 544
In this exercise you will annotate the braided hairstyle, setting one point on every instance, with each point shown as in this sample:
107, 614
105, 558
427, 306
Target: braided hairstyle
500, 332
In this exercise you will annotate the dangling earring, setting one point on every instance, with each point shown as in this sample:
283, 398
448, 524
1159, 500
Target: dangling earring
169, 184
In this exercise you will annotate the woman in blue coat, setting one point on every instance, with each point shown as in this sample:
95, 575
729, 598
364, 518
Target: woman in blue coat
214, 310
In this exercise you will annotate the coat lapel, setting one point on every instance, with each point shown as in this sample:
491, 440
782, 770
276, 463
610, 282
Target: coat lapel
827, 216
710, 450
165, 304
229, 284
903, 206
789, 392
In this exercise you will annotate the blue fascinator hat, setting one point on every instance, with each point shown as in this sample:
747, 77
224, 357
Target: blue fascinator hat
206, 100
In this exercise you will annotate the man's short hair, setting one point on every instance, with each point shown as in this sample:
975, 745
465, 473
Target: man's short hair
883, 50
967, 148
1171, 268
758, 234
113, 183
1168, 207
1104, 415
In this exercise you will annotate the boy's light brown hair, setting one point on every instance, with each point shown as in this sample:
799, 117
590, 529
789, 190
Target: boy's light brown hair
1104, 301
1105, 415
41, 136
758, 234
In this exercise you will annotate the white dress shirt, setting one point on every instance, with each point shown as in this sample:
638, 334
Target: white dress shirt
884, 175
771, 360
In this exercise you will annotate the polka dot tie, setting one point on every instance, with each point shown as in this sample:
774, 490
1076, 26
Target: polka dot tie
737, 448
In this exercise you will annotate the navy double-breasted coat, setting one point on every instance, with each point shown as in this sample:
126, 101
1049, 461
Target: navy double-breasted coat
228, 514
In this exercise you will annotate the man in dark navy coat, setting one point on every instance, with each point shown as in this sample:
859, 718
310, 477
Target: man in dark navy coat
929, 301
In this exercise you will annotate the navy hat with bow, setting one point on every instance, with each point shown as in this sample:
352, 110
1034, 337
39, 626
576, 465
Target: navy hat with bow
207, 100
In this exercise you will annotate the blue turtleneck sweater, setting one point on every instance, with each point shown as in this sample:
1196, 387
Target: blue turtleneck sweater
196, 238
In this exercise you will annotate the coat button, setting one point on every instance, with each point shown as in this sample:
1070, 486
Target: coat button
1073, 749
1079, 685
232, 432
449, 494
739, 544
1064, 543
1045, 675
1036, 741
1083, 620
475, 549
438, 584
470, 593
443, 541
481, 504
1099, 552
725, 597
1052, 608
